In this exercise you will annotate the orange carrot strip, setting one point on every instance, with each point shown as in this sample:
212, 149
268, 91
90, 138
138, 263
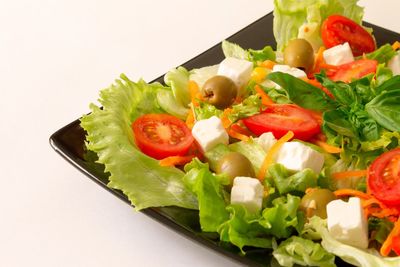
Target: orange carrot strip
240, 128
396, 45
269, 64
387, 245
271, 153
237, 135
226, 122
194, 91
328, 148
349, 174
351, 192
175, 160
265, 99
190, 119
319, 58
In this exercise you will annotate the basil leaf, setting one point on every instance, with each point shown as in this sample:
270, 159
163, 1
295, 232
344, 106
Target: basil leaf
391, 84
343, 92
337, 120
385, 109
302, 93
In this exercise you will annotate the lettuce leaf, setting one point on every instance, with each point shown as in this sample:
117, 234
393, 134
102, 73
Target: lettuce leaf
210, 195
200, 76
109, 134
178, 80
292, 15
234, 50
167, 102
297, 250
352, 255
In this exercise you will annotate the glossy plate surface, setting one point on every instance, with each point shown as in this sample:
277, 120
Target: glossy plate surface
69, 143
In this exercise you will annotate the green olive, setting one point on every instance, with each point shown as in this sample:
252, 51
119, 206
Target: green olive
219, 91
315, 201
299, 54
235, 164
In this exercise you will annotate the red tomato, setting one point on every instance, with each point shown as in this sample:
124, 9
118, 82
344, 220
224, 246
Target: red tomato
161, 135
354, 70
279, 119
396, 244
383, 177
336, 30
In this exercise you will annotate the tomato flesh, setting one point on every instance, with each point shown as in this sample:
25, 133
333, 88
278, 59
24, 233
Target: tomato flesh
279, 119
161, 135
355, 70
336, 30
383, 178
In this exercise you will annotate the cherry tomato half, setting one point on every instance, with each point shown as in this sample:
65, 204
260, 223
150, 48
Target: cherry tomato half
279, 119
383, 177
161, 135
354, 70
336, 30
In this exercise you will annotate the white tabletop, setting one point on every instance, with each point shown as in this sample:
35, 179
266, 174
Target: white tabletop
54, 58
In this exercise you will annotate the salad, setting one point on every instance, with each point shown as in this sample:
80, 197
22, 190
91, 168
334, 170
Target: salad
294, 148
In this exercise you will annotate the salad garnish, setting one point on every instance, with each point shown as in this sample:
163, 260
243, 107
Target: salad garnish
295, 150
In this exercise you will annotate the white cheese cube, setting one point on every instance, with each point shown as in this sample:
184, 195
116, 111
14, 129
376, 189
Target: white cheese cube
347, 223
298, 73
209, 133
338, 55
238, 70
394, 64
266, 141
248, 192
297, 156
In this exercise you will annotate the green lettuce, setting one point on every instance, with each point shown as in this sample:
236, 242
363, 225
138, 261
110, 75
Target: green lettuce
234, 50
109, 134
200, 76
287, 181
178, 80
350, 254
297, 250
210, 195
167, 102
383, 54
292, 15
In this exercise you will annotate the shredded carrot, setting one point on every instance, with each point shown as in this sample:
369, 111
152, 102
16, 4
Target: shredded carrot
226, 122
271, 153
328, 148
265, 99
175, 160
269, 64
316, 83
349, 174
319, 58
387, 245
237, 135
396, 45
351, 192
240, 128
190, 119
194, 91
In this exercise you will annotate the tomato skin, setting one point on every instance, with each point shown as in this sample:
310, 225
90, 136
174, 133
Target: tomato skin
162, 135
281, 118
336, 30
354, 70
383, 178
396, 245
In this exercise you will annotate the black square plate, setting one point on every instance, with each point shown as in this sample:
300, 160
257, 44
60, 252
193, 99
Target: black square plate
69, 143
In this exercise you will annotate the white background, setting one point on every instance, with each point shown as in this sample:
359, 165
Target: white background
54, 58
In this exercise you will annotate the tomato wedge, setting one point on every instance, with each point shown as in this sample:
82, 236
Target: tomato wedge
336, 30
354, 70
281, 118
383, 177
161, 135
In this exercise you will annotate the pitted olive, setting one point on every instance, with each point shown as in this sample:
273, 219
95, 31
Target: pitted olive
315, 201
299, 54
235, 164
219, 91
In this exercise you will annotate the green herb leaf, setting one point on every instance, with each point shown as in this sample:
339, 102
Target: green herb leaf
385, 109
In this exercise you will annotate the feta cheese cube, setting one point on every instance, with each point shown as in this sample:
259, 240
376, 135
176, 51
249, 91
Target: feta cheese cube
347, 223
209, 133
394, 64
338, 55
266, 141
297, 156
238, 70
298, 73
248, 192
